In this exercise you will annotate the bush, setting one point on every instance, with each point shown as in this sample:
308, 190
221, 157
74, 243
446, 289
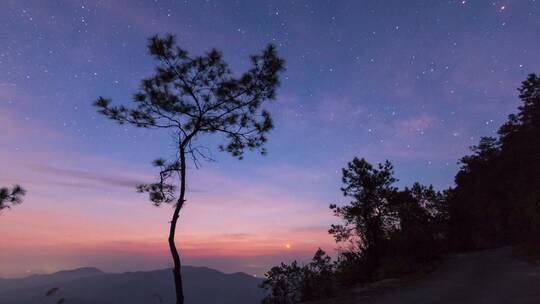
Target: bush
292, 283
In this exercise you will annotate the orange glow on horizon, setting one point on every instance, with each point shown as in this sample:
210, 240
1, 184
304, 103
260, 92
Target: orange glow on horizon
69, 219
48, 239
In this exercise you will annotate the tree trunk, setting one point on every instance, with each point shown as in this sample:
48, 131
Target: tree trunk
172, 246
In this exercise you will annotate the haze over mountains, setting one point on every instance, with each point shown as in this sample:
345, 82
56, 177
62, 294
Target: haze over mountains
91, 285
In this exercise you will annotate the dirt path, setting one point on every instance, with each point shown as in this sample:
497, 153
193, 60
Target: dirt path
491, 276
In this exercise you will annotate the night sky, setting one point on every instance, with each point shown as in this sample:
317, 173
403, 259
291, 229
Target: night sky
415, 82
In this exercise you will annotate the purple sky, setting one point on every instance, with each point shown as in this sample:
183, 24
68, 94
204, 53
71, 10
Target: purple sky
416, 82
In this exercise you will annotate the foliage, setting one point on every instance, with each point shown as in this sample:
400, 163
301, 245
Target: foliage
422, 214
11, 196
318, 279
193, 96
293, 284
386, 231
351, 268
285, 284
384, 225
495, 201
367, 218
497, 195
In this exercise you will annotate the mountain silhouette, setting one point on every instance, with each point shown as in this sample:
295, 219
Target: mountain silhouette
48, 279
90, 285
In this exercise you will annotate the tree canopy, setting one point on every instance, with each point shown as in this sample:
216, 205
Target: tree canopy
192, 96
496, 199
11, 196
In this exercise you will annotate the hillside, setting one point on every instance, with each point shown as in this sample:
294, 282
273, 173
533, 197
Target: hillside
47, 279
491, 276
89, 285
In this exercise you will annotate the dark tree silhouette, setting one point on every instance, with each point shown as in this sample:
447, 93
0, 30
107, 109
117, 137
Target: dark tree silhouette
476, 219
284, 283
11, 196
192, 96
389, 230
293, 283
368, 217
318, 277
496, 199
520, 163
419, 231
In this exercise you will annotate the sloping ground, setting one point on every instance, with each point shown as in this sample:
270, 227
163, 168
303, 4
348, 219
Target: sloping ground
491, 276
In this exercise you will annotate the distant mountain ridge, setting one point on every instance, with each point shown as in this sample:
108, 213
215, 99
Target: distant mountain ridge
80, 271
92, 286
36, 280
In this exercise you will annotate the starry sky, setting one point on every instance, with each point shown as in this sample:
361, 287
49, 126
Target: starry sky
415, 82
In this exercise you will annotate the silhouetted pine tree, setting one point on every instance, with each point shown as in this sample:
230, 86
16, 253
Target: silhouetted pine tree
368, 217
520, 163
496, 201
11, 196
318, 277
284, 283
497, 195
420, 231
386, 231
191, 96
476, 219
391, 231
294, 284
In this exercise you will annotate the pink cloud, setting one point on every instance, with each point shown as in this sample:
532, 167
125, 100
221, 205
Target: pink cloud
234, 219
418, 123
